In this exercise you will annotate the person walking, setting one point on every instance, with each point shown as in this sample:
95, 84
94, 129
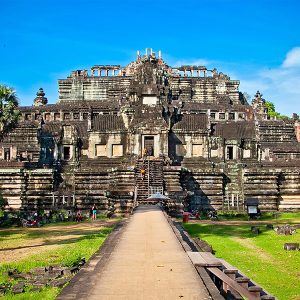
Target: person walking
143, 172
94, 212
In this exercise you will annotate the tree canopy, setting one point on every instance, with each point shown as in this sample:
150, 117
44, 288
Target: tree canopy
9, 113
272, 112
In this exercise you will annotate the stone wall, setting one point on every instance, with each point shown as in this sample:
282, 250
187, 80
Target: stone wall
262, 184
90, 188
93, 88
30, 189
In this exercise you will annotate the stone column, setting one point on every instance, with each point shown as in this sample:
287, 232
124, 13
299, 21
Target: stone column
236, 116
89, 120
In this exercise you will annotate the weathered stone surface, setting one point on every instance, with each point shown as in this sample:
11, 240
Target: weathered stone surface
59, 282
285, 229
255, 230
38, 278
200, 140
18, 288
291, 246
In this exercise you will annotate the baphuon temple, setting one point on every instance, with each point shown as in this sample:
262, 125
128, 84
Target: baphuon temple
190, 128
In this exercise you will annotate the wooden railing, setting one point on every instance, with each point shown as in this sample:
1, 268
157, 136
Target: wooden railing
228, 279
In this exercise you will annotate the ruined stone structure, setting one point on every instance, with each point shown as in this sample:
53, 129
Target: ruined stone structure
191, 130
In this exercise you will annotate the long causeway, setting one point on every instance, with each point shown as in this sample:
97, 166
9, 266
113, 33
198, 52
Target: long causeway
147, 262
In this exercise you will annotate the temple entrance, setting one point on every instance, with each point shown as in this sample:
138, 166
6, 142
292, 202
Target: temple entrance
149, 145
67, 153
229, 153
6, 153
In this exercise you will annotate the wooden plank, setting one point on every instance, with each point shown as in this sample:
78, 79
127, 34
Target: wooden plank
228, 266
211, 259
210, 285
233, 284
197, 259
204, 259
241, 274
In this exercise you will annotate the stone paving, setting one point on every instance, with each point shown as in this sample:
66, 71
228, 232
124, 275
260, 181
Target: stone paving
148, 262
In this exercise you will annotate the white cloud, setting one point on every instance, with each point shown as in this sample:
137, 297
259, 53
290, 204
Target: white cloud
252, 85
280, 85
292, 58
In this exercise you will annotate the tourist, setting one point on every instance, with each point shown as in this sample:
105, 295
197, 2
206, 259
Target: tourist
94, 212
35, 216
143, 172
78, 217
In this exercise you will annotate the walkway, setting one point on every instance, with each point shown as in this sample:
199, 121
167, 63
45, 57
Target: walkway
147, 263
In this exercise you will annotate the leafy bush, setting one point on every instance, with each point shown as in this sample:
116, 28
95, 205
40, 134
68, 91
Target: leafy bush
3, 202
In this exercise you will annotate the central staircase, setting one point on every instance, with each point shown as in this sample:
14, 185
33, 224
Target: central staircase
152, 182
234, 198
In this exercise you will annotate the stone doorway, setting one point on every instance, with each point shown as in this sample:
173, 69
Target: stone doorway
67, 153
149, 145
229, 153
7, 154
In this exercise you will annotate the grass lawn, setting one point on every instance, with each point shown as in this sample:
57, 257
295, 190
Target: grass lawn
266, 216
55, 244
260, 257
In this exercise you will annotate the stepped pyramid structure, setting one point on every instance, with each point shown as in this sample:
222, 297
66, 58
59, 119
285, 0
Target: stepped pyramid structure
201, 143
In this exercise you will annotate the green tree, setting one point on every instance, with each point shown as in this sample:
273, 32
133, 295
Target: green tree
9, 113
272, 112
3, 202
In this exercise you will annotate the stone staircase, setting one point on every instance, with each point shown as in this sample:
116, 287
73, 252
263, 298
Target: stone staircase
233, 198
153, 179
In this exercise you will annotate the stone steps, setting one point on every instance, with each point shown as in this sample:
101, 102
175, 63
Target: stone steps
153, 177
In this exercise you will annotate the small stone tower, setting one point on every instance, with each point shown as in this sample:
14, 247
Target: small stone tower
259, 107
40, 99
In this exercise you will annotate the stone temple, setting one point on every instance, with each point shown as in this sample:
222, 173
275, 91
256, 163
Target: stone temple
190, 128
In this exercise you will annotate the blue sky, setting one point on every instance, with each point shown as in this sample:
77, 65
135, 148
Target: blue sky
257, 42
